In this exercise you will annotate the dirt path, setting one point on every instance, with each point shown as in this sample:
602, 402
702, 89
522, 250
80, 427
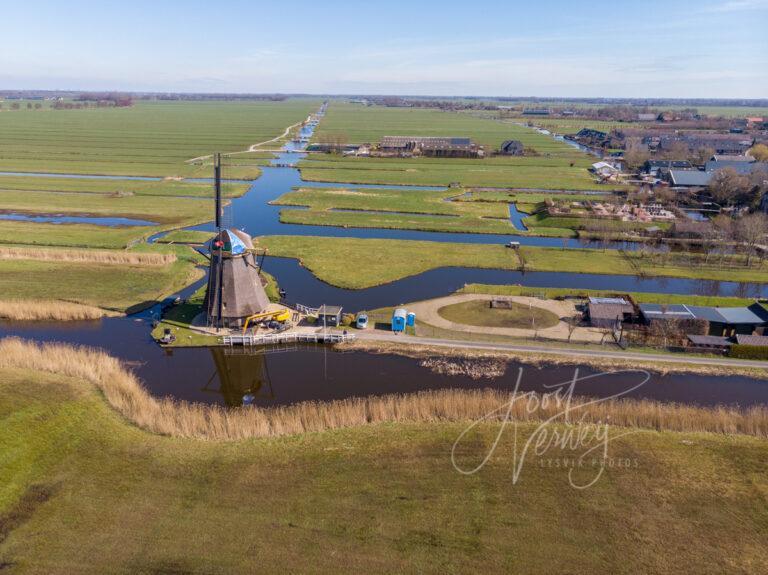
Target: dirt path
427, 311
252, 147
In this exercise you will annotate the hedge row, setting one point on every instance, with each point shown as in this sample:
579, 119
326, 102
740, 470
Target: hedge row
749, 351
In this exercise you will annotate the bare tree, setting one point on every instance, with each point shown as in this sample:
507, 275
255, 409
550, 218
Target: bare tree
702, 156
635, 153
727, 185
750, 231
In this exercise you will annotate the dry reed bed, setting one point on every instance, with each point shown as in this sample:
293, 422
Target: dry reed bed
86, 256
38, 310
125, 393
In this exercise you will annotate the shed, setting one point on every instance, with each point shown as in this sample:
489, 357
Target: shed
709, 341
757, 340
399, 319
512, 148
610, 313
604, 169
329, 315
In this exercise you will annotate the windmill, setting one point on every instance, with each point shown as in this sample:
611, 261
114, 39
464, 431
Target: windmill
234, 286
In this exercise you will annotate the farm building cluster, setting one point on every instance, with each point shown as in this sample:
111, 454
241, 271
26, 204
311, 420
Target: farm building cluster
425, 146
429, 146
696, 328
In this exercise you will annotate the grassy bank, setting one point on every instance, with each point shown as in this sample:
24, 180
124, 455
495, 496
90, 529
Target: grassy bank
347, 262
379, 498
640, 297
164, 188
164, 210
123, 287
185, 237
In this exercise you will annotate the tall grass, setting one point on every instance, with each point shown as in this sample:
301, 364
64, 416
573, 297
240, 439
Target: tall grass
34, 310
86, 256
165, 416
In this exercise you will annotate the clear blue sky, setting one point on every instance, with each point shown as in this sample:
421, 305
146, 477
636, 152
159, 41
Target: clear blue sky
671, 48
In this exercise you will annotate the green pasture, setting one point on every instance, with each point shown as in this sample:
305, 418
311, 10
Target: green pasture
166, 188
148, 138
353, 263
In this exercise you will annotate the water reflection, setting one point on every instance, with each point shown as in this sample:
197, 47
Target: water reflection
242, 376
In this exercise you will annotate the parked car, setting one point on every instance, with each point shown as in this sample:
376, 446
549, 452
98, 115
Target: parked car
362, 321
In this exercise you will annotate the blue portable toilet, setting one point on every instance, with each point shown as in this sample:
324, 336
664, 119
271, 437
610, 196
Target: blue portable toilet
398, 319
410, 320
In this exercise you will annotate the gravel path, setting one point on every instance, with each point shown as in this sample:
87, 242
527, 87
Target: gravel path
427, 311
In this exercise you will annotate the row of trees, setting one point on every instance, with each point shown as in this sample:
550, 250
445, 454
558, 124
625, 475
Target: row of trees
29, 105
334, 141
105, 99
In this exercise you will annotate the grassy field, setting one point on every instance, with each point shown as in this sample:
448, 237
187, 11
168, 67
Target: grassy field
163, 202
640, 297
185, 237
480, 313
557, 165
491, 172
115, 287
347, 262
482, 211
148, 138
167, 210
83, 491
164, 188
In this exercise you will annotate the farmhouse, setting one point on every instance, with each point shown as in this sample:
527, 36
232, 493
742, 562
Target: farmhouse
739, 167
591, 137
658, 168
721, 321
438, 147
511, 148
604, 170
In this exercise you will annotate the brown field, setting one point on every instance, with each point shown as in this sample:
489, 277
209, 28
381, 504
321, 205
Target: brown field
168, 417
86, 256
36, 310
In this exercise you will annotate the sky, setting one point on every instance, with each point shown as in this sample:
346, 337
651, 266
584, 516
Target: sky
548, 48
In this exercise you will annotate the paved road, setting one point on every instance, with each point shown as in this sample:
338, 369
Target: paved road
562, 351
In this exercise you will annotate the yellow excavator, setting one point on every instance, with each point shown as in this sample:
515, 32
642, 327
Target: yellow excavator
281, 315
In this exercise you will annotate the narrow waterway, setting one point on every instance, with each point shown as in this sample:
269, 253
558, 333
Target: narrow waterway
316, 373
66, 219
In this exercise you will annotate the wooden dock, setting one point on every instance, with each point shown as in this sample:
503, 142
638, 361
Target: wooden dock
290, 337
